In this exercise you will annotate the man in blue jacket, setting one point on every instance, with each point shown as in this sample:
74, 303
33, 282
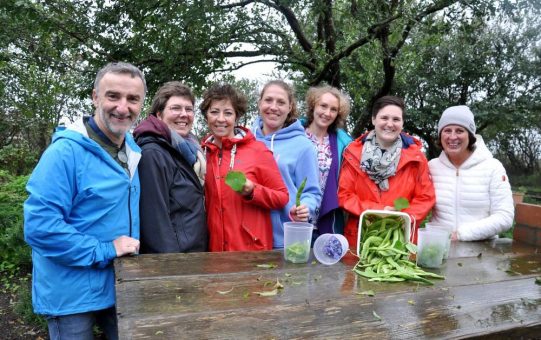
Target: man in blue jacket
83, 209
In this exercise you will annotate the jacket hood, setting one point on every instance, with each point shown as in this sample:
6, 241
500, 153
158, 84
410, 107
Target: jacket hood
152, 126
288, 132
480, 154
77, 133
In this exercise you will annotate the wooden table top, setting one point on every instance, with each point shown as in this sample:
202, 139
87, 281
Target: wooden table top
489, 289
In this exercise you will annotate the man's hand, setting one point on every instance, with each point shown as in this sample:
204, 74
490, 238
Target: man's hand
299, 213
125, 245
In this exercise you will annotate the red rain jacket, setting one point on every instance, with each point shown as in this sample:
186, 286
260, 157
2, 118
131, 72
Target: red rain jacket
357, 192
234, 222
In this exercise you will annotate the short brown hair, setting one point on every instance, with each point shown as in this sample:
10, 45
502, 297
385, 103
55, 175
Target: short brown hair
293, 114
314, 94
168, 90
225, 91
380, 103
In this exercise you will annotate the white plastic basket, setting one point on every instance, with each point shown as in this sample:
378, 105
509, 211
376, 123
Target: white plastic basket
408, 225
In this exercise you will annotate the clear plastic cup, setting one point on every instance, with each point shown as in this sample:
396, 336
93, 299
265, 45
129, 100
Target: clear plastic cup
330, 248
297, 239
431, 226
430, 248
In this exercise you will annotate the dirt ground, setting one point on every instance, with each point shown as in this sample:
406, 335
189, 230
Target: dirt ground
11, 324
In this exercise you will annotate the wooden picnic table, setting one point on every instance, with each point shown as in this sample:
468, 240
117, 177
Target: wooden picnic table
489, 290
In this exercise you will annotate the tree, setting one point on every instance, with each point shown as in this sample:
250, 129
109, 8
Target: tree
368, 48
38, 79
492, 66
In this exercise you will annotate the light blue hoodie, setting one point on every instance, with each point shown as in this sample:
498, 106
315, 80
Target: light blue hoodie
296, 159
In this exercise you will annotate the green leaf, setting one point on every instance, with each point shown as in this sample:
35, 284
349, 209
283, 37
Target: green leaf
235, 180
376, 315
223, 292
367, 293
299, 192
401, 203
412, 248
538, 280
267, 265
269, 293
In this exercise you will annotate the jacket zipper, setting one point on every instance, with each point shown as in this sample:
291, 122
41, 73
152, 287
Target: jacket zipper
456, 200
129, 208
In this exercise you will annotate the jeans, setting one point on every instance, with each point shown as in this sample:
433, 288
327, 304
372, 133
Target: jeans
79, 326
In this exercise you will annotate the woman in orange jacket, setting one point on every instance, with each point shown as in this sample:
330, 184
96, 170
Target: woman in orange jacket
238, 221
383, 165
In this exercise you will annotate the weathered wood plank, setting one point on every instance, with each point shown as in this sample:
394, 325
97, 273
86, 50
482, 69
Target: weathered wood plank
454, 312
198, 293
178, 295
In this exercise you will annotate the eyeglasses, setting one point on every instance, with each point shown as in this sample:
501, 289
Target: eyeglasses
179, 108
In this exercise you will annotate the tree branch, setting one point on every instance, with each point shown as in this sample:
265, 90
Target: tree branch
293, 23
238, 4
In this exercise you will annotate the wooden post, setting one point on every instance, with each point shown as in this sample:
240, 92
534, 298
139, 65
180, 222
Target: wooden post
528, 224
518, 197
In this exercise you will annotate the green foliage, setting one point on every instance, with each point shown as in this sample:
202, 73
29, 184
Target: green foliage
23, 306
14, 252
18, 160
435, 54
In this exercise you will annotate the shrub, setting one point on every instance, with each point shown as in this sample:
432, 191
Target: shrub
14, 252
18, 160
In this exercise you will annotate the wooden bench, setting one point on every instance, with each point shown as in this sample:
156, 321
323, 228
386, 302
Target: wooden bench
528, 224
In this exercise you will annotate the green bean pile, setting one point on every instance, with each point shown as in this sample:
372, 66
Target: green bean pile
384, 254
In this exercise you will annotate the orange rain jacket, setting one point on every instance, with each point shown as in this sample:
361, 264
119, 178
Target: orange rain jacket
236, 223
357, 192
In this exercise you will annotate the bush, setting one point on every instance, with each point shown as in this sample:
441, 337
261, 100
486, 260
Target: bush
23, 306
14, 252
18, 160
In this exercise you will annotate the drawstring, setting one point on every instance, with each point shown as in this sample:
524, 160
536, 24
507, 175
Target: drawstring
272, 142
233, 152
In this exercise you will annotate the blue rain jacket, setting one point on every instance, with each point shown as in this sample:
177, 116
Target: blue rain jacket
80, 200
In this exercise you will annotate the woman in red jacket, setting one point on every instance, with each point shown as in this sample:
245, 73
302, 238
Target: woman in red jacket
383, 165
238, 221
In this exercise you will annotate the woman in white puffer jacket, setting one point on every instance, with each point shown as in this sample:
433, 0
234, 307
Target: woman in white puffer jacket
473, 194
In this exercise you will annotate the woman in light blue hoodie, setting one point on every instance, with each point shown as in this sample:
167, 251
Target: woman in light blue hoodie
278, 127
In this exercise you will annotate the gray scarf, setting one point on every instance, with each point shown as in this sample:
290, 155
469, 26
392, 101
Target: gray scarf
380, 164
191, 151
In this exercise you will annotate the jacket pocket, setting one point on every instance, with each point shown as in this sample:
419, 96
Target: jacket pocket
251, 240
98, 279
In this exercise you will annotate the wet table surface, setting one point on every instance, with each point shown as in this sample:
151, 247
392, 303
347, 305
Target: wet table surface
489, 291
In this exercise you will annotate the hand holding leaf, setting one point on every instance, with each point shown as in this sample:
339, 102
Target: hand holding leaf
235, 180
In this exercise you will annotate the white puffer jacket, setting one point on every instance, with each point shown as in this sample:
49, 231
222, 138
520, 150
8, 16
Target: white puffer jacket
475, 200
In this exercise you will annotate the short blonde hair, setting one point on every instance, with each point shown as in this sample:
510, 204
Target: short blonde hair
315, 93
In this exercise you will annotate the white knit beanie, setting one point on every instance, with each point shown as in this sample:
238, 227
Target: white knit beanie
457, 115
